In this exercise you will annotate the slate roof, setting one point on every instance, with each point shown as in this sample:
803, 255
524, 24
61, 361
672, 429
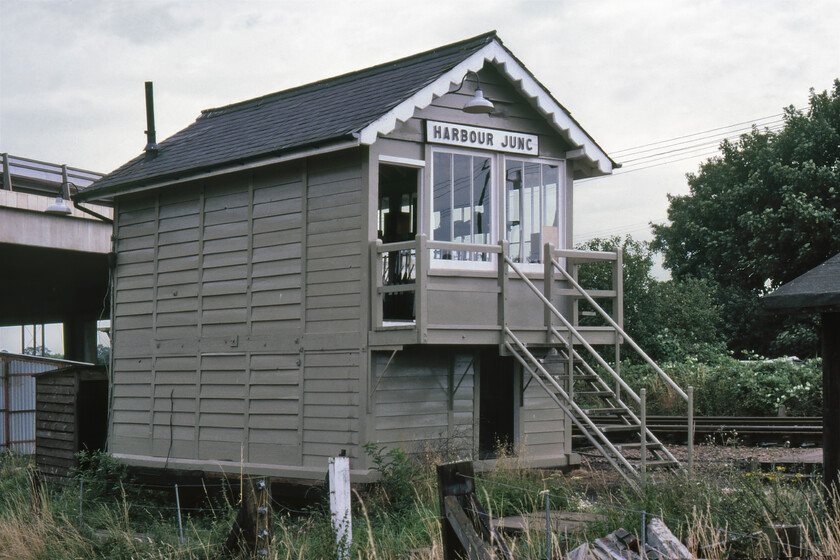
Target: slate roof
315, 114
347, 108
818, 290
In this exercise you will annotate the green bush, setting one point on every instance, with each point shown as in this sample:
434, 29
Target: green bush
724, 386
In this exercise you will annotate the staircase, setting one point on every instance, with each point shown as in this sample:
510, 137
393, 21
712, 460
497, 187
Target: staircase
589, 391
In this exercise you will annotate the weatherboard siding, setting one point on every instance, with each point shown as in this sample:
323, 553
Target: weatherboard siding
207, 319
424, 399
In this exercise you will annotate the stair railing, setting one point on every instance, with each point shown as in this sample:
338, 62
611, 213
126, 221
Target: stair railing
575, 333
506, 260
553, 391
688, 397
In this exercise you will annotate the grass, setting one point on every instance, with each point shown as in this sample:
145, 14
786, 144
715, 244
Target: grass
722, 516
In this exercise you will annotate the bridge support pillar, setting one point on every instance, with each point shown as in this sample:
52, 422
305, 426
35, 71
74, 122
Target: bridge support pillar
80, 339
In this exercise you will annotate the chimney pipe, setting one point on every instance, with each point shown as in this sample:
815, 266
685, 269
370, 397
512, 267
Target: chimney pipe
151, 143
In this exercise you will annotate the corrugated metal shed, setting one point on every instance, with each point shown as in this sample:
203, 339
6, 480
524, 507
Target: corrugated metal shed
17, 399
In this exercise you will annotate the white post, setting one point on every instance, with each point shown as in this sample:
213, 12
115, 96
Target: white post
339, 472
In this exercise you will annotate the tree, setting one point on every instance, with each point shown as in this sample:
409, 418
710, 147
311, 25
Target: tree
764, 211
669, 320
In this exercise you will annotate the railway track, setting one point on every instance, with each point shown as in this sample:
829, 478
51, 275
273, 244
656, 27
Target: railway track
747, 430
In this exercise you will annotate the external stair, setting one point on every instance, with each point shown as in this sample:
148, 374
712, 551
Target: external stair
608, 412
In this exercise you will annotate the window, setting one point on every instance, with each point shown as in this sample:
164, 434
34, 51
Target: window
532, 204
461, 202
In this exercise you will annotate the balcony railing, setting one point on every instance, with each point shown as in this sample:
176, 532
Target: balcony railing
424, 285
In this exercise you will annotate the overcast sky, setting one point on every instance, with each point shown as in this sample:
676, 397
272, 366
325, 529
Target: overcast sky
631, 73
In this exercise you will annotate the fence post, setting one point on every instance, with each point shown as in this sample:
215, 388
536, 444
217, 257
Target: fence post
339, 472
180, 524
547, 526
643, 535
643, 432
81, 493
690, 430
252, 528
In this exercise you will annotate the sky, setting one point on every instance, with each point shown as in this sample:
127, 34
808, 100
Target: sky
631, 73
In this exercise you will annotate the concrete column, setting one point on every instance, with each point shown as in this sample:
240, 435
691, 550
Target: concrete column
80, 340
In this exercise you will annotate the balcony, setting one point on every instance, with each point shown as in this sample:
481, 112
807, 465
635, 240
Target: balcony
433, 292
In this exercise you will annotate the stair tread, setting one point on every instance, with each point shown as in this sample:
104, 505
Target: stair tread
619, 411
638, 445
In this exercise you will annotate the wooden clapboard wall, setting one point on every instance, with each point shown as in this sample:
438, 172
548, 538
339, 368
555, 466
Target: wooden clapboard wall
237, 322
70, 413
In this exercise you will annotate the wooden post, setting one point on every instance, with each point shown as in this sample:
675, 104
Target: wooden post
421, 286
251, 531
462, 517
548, 289
643, 434
342, 523
503, 290
452, 483
831, 403
375, 284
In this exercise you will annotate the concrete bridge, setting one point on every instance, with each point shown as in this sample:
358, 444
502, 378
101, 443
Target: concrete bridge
53, 256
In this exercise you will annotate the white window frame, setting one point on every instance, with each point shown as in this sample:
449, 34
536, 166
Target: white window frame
494, 211
562, 216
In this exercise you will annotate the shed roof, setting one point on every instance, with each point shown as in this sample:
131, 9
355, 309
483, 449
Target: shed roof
818, 289
351, 109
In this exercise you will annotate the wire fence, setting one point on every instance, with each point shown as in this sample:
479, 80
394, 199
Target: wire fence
164, 503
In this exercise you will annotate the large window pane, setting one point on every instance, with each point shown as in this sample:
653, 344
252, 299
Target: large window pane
532, 204
461, 208
481, 200
513, 188
442, 195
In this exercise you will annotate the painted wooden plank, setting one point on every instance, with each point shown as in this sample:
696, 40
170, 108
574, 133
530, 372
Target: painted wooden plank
178, 250
174, 237
273, 362
178, 278
277, 252
333, 327
412, 422
178, 208
278, 239
334, 314
176, 318
275, 313
347, 399
275, 282
229, 422
333, 301
332, 411
218, 260
135, 295
225, 245
344, 227
178, 223
328, 436
278, 208
176, 332
342, 288
137, 269
272, 435
276, 268
279, 408
222, 406
350, 248
224, 230
276, 297
330, 386
227, 200
333, 276
224, 273
331, 424
177, 264
289, 223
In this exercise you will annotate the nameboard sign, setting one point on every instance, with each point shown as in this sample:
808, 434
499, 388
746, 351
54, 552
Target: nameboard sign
482, 138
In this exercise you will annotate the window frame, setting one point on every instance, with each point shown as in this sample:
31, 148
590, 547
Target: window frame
562, 216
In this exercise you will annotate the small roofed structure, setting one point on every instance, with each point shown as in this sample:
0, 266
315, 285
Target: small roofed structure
71, 415
818, 291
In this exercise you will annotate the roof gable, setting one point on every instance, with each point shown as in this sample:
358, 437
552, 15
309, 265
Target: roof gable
351, 109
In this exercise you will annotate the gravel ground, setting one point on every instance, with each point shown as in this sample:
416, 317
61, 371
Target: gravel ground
710, 459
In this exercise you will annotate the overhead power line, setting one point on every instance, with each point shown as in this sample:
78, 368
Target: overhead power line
750, 122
